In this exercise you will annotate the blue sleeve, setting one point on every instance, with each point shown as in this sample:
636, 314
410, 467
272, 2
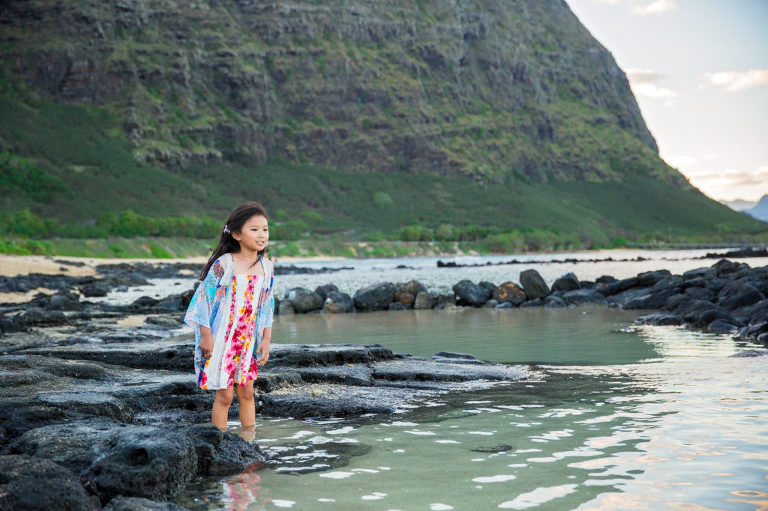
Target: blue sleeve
200, 310
269, 304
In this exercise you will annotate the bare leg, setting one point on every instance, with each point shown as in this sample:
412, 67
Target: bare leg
247, 404
220, 411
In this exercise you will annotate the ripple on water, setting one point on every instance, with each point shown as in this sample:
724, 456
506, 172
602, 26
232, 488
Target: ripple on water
538, 496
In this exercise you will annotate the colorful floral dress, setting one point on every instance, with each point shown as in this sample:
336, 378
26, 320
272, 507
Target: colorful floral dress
237, 309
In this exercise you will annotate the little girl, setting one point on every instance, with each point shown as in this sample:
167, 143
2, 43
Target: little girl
231, 312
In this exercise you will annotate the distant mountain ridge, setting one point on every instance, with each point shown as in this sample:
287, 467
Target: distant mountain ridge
739, 204
760, 210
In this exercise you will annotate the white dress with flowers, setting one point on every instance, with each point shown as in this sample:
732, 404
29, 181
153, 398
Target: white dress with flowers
236, 308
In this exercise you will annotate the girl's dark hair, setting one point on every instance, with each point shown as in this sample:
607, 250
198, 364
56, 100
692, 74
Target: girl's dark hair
235, 223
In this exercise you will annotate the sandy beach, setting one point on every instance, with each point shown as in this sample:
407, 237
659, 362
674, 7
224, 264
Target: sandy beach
13, 265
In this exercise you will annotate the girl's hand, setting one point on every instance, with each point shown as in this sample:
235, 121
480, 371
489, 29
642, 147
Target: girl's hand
263, 350
206, 345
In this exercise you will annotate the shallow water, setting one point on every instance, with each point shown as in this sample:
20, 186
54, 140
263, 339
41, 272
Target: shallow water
619, 417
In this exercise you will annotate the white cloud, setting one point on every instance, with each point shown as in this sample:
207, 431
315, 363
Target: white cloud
735, 81
655, 7
653, 91
733, 177
732, 183
642, 83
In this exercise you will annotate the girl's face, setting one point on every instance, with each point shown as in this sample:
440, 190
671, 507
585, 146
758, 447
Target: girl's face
254, 234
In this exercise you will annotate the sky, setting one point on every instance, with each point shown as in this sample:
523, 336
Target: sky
699, 71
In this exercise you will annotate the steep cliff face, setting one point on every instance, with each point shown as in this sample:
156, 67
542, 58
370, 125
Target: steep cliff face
490, 89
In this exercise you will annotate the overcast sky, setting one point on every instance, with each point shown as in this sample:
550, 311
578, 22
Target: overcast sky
699, 70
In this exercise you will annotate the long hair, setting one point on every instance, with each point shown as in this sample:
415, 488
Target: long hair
235, 223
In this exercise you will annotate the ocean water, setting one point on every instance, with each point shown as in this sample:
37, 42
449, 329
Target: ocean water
614, 416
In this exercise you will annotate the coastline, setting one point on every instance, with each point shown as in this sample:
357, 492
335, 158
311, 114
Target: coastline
14, 265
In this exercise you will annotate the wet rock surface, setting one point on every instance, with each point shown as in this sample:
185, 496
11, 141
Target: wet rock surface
111, 417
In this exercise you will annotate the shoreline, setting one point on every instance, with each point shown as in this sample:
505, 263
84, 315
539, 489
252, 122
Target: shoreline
12, 265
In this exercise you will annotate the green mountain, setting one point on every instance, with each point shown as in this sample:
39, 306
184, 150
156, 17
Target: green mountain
374, 115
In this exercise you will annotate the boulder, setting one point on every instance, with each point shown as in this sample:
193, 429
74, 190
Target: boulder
552, 302
117, 459
323, 290
697, 273
64, 301
579, 296
700, 293
375, 297
469, 293
30, 483
536, 302
721, 326
96, 288
567, 282
337, 302
304, 300
533, 284
406, 293
738, 294
509, 292
423, 300
490, 286
445, 301
724, 267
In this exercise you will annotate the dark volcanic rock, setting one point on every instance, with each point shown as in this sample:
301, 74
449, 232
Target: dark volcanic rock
533, 284
738, 294
554, 302
721, 326
337, 302
580, 296
567, 282
724, 267
145, 355
117, 459
220, 453
375, 297
29, 483
423, 300
323, 290
469, 293
311, 354
406, 293
97, 288
304, 300
443, 301
509, 292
